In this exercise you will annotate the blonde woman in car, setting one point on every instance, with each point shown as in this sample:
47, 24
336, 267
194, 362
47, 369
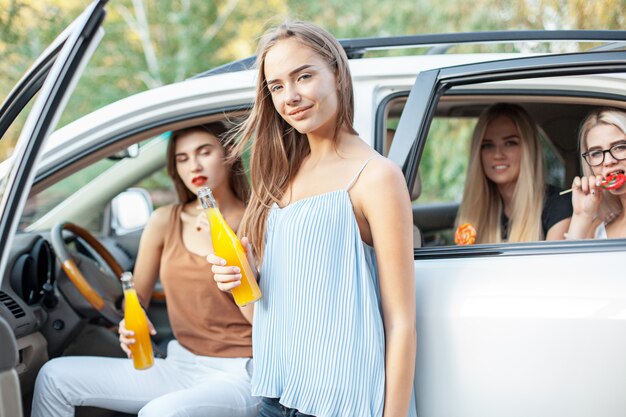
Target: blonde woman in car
599, 212
330, 221
208, 367
506, 198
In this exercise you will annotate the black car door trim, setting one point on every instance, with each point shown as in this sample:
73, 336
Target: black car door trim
355, 48
380, 119
406, 136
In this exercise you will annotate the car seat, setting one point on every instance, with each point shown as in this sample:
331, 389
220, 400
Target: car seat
10, 394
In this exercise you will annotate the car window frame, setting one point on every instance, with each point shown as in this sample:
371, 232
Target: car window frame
82, 36
413, 128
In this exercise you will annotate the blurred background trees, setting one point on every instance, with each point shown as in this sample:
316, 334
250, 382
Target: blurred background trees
154, 42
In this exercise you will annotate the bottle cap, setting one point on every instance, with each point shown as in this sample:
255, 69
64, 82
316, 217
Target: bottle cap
126, 276
205, 192
206, 198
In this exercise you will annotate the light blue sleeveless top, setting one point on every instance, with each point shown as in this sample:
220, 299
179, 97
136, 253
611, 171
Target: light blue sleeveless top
318, 339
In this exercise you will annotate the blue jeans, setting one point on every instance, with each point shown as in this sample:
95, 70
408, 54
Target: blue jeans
270, 407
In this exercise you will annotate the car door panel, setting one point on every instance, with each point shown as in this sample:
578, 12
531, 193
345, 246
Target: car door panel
54, 75
521, 334
43, 118
515, 329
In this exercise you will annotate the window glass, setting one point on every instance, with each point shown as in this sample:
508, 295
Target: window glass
443, 166
41, 203
444, 161
99, 182
9, 143
159, 186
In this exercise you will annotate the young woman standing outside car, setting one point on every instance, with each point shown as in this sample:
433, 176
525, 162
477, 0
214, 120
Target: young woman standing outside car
330, 222
208, 366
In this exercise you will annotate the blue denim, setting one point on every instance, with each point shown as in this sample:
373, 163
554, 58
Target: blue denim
271, 407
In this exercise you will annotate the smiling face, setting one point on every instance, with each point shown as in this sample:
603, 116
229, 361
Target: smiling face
302, 86
603, 137
200, 161
501, 152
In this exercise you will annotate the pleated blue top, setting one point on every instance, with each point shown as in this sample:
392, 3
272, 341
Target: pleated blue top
318, 338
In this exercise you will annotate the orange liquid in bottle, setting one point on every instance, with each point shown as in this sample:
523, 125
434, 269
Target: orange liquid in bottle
135, 319
228, 247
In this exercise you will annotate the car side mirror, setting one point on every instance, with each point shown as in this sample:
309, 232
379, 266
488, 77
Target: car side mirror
131, 152
130, 211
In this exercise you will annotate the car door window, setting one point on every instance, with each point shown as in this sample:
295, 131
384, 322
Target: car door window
557, 105
443, 168
83, 197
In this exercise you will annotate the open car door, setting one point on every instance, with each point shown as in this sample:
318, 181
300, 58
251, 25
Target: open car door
518, 329
53, 76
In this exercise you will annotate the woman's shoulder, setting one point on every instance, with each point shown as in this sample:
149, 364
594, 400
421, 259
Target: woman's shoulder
381, 180
380, 171
161, 217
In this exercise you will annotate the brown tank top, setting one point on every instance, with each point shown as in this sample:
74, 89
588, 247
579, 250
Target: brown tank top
204, 319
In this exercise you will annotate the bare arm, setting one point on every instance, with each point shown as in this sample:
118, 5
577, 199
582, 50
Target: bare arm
146, 270
586, 198
558, 230
390, 219
148, 260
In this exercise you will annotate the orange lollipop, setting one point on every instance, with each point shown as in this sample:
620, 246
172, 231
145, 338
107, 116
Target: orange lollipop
465, 234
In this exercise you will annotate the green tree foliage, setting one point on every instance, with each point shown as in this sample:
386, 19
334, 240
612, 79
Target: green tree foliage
154, 42
146, 44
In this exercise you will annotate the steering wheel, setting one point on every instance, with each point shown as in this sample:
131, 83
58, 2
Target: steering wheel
100, 288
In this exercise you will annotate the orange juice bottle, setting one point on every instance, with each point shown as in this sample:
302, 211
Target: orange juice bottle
227, 246
135, 320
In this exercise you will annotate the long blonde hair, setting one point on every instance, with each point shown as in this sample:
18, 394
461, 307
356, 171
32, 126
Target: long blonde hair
611, 205
482, 204
278, 149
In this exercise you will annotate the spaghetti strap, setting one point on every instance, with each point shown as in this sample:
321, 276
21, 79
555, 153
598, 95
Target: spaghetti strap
358, 173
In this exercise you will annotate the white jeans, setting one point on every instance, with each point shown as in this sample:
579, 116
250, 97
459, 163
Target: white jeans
183, 384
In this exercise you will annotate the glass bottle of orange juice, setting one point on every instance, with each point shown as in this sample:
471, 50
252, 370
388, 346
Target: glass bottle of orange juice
227, 246
135, 320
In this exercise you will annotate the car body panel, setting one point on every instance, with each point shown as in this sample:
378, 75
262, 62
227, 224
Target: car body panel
538, 325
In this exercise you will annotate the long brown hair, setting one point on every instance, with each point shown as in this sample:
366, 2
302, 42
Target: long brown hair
236, 178
611, 205
278, 149
482, 205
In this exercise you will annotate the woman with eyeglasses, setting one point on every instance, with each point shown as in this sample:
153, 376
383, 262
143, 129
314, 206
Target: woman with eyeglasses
598, 212
506, 198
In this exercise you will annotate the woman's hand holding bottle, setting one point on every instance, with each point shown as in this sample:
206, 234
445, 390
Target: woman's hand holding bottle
126, 336
229, 276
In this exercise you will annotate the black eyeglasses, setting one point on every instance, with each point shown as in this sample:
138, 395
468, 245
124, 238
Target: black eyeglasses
596, 156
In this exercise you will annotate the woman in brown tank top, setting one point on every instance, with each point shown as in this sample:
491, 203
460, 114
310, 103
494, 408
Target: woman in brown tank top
208, 367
